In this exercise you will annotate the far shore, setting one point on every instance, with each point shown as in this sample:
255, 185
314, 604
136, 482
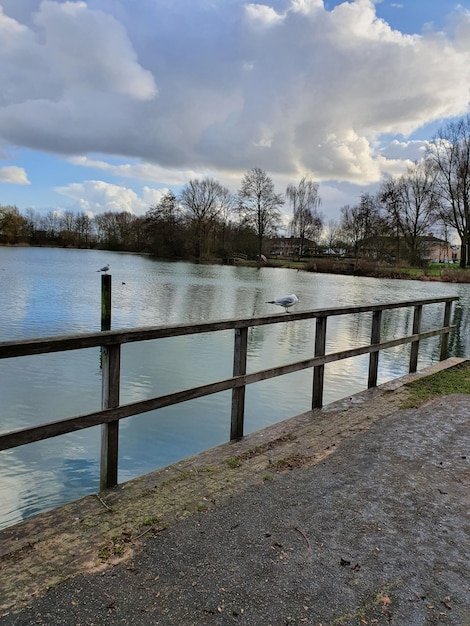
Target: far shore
438, 272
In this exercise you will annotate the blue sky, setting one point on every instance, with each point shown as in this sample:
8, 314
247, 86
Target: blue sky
106, 104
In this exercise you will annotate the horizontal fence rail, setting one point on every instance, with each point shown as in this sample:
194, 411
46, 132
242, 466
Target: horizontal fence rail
111, 341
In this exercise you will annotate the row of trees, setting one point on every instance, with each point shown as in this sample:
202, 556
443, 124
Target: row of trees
434, 192
206, 220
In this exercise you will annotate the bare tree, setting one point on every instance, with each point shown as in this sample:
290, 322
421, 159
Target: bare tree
167, 210
412, 206
12, 223
106, 228
165, 228
449, 151
119, 230
361, 225
332, 238
83, 228
66, 225
203, 200
259, 204
227, 206
51, 222
67, 221
128, 226
32, 222
305, 201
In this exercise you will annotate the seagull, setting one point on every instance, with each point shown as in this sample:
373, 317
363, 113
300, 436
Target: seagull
104, 269
285, 301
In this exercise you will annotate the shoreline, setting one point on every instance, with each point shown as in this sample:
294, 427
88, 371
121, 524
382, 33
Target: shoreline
445, 273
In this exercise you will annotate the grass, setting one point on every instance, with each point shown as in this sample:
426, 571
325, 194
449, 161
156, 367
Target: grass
149, 521
414, 272
449, 273
453, 380
233, 462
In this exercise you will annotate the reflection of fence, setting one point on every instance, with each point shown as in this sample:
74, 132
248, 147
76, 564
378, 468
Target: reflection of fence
112, 340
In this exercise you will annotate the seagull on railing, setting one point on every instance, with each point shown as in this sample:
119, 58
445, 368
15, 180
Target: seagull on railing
104, 269
285, 301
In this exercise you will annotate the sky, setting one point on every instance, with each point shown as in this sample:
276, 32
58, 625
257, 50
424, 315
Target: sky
105, 105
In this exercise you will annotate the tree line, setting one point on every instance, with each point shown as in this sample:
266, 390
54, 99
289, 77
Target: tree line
206, 220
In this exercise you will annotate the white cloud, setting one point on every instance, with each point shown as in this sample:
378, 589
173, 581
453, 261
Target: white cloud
90, 51
405, 150
262, 14
95, 196
13, 174
70, 78
140, 171
286, 86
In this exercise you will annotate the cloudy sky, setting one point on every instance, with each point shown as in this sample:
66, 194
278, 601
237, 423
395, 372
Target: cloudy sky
106, 104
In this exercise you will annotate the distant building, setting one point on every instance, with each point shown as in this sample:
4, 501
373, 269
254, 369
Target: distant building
437, 250
291, 246
431, 249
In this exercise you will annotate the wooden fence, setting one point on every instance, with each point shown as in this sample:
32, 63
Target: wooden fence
111, 341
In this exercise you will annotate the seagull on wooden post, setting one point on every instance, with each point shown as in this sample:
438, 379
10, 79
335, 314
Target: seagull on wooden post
104, 269
285, 301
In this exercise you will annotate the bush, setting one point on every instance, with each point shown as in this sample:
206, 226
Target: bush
455, 275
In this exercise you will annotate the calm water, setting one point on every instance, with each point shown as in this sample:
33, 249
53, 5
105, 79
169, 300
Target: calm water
54, 291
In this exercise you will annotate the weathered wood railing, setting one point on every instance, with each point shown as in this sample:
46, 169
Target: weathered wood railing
110, 342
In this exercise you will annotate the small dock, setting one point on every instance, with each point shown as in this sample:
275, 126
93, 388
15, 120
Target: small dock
354, 513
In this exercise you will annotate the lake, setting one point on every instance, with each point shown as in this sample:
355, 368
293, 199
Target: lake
58, 291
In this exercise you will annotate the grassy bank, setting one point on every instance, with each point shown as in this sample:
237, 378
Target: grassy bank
436, 272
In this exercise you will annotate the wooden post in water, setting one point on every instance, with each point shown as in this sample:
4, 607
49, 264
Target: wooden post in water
110, 373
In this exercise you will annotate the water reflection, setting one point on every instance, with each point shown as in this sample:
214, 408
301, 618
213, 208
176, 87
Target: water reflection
47, 292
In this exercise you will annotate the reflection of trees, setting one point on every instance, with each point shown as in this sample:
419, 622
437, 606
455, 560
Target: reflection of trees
296, 339
396, 323
200, 301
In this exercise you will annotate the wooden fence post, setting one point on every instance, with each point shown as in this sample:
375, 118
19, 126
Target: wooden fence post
319, 370
415, 344
111, 367
374, 356
445, 336
238, 394
110, 383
